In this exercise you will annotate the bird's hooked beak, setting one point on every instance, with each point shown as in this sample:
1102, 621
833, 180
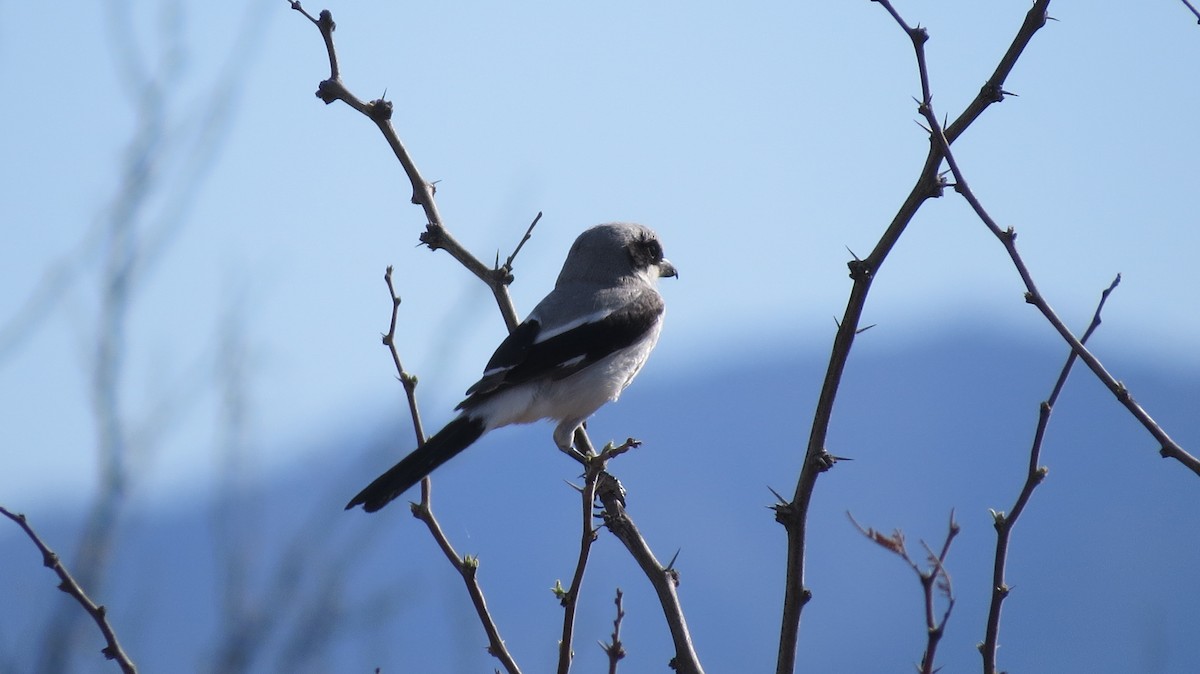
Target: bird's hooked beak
665, 269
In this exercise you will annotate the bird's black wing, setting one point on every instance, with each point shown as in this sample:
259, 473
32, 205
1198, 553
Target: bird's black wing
524, 355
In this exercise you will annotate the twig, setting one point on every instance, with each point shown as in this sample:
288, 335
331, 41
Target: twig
934, 578
1036, 474
594, 466
99, 614
1193, 9
569, 598
508, 264
794, 514
379, 111
664, 580
466, 566
615, 650
407, 380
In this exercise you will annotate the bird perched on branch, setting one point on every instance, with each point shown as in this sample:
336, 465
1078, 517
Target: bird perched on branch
578, 349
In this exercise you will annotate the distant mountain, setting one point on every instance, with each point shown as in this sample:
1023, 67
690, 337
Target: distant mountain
1102, 568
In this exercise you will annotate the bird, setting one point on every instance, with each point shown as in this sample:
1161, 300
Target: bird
577, 350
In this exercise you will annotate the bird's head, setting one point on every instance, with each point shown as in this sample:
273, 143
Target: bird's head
611, 252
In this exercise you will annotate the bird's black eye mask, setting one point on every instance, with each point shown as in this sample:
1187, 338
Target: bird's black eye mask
645, 251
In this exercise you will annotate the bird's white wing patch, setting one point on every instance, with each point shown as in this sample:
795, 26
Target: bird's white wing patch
552, 330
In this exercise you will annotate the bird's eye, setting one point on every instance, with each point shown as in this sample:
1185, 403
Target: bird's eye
655, 249
646, 251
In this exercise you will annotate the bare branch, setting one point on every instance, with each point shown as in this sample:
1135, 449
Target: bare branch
1168, 447
466, 566
941, 142
408, 380
664, 580
508, 264
379, 111
1192, 9
1004, 523
570, 597
933, 579
112, 650
594, 467
436, 237
615, 650
794, 514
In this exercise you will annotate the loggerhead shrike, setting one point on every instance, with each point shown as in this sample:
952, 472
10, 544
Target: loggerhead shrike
578, 349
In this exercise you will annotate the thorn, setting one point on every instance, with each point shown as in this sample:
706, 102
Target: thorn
998, 517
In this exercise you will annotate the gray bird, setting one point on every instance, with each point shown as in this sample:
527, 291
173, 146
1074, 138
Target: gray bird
578, 349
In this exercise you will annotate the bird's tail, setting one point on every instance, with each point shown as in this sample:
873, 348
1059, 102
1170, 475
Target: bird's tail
443, 446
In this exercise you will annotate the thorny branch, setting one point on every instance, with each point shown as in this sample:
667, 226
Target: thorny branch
407, 380
614, 649
594, 466
569, 597
1004, 523
112, 650
934, 578
940, 145
939, 139
436, 237
508, 264
379, 111
665, 580
929, 184
1168, 447
466, 566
